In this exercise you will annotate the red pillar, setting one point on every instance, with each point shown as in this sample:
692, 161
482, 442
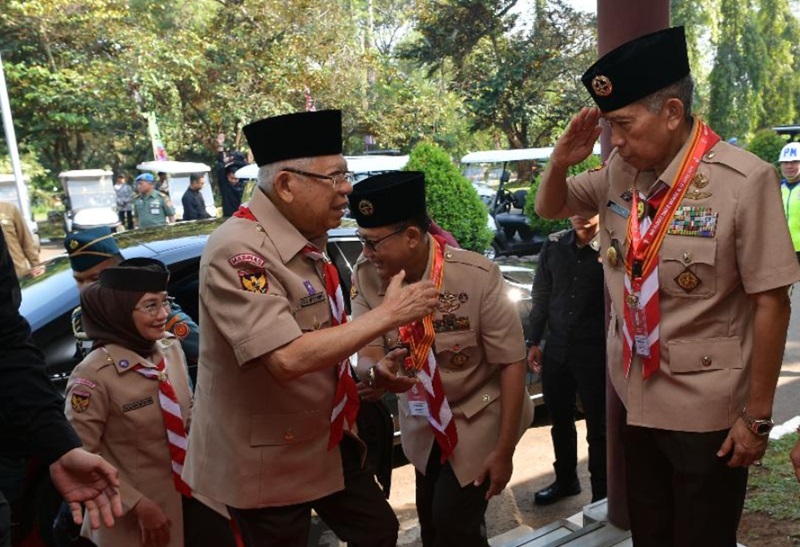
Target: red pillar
619, 21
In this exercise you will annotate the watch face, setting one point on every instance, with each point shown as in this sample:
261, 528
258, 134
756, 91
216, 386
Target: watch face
763, 428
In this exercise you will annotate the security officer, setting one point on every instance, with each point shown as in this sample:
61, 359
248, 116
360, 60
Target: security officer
151, 207
272, 433
789, 159
461, 422
93, 251
699, 290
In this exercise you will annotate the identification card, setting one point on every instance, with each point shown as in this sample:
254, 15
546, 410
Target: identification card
640, 334
417, 402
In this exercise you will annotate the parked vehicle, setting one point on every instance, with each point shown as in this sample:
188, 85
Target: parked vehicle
492, 176
361, 166
178, 181
90, 200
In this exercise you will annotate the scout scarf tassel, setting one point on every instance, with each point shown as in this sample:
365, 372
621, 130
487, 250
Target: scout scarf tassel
641, 293
418, 337
173, 422
345, 400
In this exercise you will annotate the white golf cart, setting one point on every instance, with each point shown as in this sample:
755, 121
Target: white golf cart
178, 181
90, 199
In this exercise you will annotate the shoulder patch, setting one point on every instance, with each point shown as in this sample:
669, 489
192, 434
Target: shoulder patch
79, 400
84, 382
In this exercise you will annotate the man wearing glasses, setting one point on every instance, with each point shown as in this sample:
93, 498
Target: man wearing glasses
272, 430
464, 407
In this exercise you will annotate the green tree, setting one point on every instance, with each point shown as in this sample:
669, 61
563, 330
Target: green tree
767, 145
452, 201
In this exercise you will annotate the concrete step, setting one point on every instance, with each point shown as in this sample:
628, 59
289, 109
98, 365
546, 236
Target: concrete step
541, 537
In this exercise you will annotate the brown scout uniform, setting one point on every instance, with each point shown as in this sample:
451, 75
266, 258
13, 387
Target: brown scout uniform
706, 332
116, 413
477, 330
258, 442
21, 245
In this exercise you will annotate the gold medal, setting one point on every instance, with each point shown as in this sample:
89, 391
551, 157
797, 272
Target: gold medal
612, 256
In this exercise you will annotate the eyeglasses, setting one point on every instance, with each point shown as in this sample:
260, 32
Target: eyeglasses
152, 308
336, 179
372, 244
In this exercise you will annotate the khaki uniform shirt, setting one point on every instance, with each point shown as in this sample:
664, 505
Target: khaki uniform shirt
478, 329
21, 245
256, 441
706, 333
152, 210
116, 413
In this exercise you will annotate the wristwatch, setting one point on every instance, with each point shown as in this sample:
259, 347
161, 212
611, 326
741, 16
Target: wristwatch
760, 427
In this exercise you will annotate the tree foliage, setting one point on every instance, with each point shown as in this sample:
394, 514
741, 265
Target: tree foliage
767, 145
452, 201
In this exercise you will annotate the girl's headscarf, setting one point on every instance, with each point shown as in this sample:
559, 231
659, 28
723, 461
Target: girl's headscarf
107, 306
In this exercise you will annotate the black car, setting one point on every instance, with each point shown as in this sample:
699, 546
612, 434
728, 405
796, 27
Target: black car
49, 298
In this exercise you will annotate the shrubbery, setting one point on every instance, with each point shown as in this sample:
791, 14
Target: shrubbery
452, 201
766, 144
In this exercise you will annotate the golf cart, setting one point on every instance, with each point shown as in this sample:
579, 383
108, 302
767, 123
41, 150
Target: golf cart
504, 194
90, 200
178, 181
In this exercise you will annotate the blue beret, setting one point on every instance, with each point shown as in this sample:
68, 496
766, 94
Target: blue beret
388, 198
145, 176
89, 248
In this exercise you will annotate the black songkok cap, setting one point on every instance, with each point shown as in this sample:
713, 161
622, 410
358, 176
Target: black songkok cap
388, 198
300, 135
638, 68
136, 275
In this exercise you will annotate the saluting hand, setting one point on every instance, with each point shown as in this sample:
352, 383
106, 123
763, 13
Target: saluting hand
578, 140
153, 523
411, 302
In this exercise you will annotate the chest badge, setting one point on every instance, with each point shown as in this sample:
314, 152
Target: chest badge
687, 280
448, 302
699, 181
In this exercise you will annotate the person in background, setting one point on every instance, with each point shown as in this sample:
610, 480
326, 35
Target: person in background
273, 433
125, 195
129, 400
194, 206
231, 189
162, 183
789, 159
461, 422
93, 251
152, 208
32, 422
568, 298
697, 262
21, 245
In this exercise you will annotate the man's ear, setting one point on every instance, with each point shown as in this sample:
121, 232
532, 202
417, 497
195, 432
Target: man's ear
281, 187
675, 112
414, 235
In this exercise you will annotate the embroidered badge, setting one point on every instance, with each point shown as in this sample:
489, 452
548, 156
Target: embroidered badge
463, 297
246, 261
309, 287
137, 404
602, 86
694, 221
254, 281
687, 280
448, 302
85, 382
80, 400
459, 359
180, 330
366, 207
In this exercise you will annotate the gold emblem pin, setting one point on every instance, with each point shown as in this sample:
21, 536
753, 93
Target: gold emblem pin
366, 207
602, 86
611, 256
73, 244
700, 180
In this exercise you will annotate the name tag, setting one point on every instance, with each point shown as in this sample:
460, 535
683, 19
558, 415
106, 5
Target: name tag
155, 210
137, 404
312, 299
619, 209
417, 402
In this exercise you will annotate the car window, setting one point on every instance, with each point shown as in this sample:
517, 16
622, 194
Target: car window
184, 285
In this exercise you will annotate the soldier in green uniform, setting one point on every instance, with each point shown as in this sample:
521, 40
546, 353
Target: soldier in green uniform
151, 208
92, 251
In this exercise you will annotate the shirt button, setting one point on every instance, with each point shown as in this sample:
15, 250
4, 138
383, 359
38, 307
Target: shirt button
486, 398
710, 155
289, 435
707, 361
687, 257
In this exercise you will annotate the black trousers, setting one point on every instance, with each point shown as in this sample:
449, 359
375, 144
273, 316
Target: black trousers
5, 522
126, 218
565, 372
203, 526
359, 514
450, 515
680, 494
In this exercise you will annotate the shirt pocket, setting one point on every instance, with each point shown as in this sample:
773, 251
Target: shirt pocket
285, 429
690, 356
313, 316
457, 350
686, 268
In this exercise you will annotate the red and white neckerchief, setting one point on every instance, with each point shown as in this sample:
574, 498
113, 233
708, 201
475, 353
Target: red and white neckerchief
346, 399
642, 314
418, 337
173, 422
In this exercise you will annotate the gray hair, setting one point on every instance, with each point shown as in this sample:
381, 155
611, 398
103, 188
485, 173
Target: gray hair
267, 173
683, 90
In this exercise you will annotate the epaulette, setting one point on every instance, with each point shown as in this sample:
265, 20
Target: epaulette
731, 156
469, 258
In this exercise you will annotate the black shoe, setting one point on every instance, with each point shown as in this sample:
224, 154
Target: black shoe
556, 491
